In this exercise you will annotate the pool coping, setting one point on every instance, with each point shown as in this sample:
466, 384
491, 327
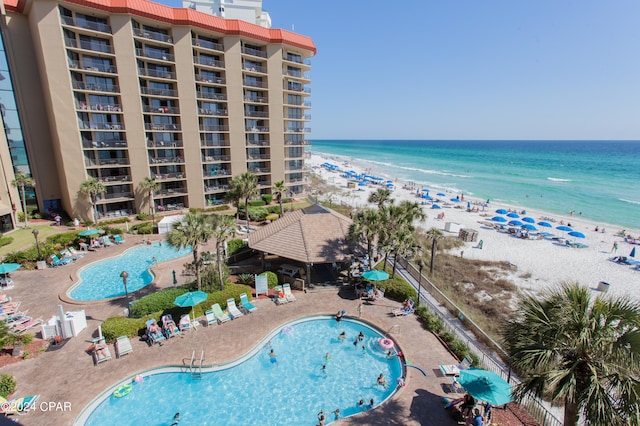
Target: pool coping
82, 418
66, 295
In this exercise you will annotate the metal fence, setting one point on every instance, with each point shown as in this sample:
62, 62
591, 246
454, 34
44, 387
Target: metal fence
459, 326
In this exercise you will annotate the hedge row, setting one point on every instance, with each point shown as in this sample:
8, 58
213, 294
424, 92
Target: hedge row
117, 326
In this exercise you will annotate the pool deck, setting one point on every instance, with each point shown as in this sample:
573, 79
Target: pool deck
67, 373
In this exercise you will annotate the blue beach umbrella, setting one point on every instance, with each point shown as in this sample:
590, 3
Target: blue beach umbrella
455, 200
564, 228
513, 215
5, 268
515, 223
440, 194
545, 224
485, 386
191, 299
425, 190
576, 234
501, 211
529, 227
528, 220
435, 206
89, 232
633, 252
498, 219
375, 275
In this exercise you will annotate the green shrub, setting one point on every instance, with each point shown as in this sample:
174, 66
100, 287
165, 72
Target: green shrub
142, 228
247, 279
64, 239
5, 241
430, 320
233, 246
143, 216
267, 198
397, 289
459, 348
256, 203
447, 337
117, 326
257, 214
219, 208
7, 385
286, 200
273, 209
155, 302
272, 278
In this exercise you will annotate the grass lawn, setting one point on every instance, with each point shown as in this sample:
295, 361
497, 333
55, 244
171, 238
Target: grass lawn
23, 238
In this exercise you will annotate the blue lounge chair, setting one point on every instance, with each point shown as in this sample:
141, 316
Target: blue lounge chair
56, 261
404, 311
154, 336
169, 326
233, 309
118, 239
244, 303
219, 314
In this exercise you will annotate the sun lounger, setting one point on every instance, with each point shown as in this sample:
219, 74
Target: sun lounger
56, 261
245, 304
100, 351
154, 332
286, 289
280, 298
107, 241
402, 312
6, 283
118, 239
123, 346
26, 326
4, 298
454, 369
169, 326
18, 405
186, 324
75, 252
211, 318
233, 309
220, 316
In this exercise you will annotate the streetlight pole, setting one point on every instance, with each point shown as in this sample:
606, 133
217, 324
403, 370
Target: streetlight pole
35, 235
434, 248
420, 266
124, 275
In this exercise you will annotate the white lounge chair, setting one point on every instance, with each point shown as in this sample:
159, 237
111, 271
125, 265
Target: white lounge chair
280, 298
211, 318
220, 316
245, 304
233, 309
286, 289
123, 346
104, 354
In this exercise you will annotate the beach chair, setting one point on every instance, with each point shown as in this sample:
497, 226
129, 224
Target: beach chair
220, 316
107, 241
26, 326
66, 254
233, 309
100, 352
56, 261
186, 324
4, 298
154, 332
402, 312
18, 405
118, 239
279, 298
75, 252
169, 326
286, 289
211, 318
245, 304
123, 346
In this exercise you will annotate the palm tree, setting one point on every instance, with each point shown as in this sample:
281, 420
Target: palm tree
223, 227
580, 351
194, 229
22, 181
380, 197
398, 225
366, 224
92, 187
150, 185
279, 190
233, 197
405, 244
247, 186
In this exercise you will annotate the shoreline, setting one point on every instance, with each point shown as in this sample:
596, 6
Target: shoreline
541, 263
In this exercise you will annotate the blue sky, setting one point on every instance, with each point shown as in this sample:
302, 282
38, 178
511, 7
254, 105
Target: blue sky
469, 69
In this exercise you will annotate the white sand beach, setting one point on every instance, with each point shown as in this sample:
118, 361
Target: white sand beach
540, 263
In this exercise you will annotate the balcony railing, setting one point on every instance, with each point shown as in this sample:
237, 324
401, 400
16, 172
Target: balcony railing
256, 99
293, 169
157, 74
166, 160
259, 114
212, 95
152, 126
208, 62
254, 157
216, 188
93, 67
293, 142
80, 85
87, 45
163, 56
216, 80
152, 35
214, 128
105, 144
112, 162
165, 176
100, 107
94, 26
113, 195
253, 83
296, 59
254, 52
158, 92
216, 112
259, 170
161, 110
101, 126
215, 158
207, 44
214, 143
254, 129
258, 143
294, 155
114, 179
298, 130
217, 172
255, 68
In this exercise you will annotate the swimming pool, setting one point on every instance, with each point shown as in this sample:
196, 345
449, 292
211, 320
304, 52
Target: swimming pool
252, 390
101, 280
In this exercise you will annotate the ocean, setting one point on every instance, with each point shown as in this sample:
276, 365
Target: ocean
598, 180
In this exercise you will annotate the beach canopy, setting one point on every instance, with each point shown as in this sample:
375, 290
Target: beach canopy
5, 268
513, 215
498, 219
190, 299
633, 252
455, 200
529, 227
545, 224
577, 234
440, 194
425, 190
501, 211
528, 220
375, 275
564, 228
515, 223
435, 206
485, 386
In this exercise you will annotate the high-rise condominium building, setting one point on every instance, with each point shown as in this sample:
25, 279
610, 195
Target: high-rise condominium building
123, 90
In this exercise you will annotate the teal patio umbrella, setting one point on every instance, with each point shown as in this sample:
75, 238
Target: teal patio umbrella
190, 299
485, 386
5, 268
375, 275
89, 232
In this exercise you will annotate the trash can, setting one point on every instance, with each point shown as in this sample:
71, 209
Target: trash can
41, 264
603, 286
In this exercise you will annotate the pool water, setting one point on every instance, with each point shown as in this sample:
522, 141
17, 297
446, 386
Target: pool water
257, 392
101, 280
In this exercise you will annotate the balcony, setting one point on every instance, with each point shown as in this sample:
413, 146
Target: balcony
87, 45
208, 62
214, 128
206, 44
298, 130
166, 160
152, 35
215, 158
157, 74
296, 142
101, 126
214, 143
255, 129
116, 179
254, 52
252, 83
256, 99
113, 195
293, 169
93, 67
96, 87
258, 143
214, 80
217, 172
104, 144
168, 176
162, 127
158, 92
87, 25
99, 107
212, 95
254, 68
216, 112
294, 155
161, 110
216, 188
296, 59
112, 162
163, 56
257, 114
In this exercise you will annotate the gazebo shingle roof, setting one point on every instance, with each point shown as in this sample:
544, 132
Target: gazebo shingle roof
314, 234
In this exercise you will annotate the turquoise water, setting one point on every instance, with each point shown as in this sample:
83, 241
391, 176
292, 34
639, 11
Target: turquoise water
598, 178
101, 280
257, 392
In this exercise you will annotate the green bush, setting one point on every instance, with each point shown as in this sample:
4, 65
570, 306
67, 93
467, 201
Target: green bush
5, 241
273, 209
257, 214
64, 239
447, 337
142, 228
155, 302
397, 289
272, 278
114, 327
256, 203
459, 348
143, 216
7, 385
286, 200
112, 221
267, 198
247, 279
233, 246
219, 208
430, 320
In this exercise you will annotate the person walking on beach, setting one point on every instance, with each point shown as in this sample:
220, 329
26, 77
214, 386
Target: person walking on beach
615, 247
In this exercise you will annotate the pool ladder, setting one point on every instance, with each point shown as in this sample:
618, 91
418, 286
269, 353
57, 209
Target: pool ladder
195, 367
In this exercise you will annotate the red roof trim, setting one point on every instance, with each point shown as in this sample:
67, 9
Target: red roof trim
190, 17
